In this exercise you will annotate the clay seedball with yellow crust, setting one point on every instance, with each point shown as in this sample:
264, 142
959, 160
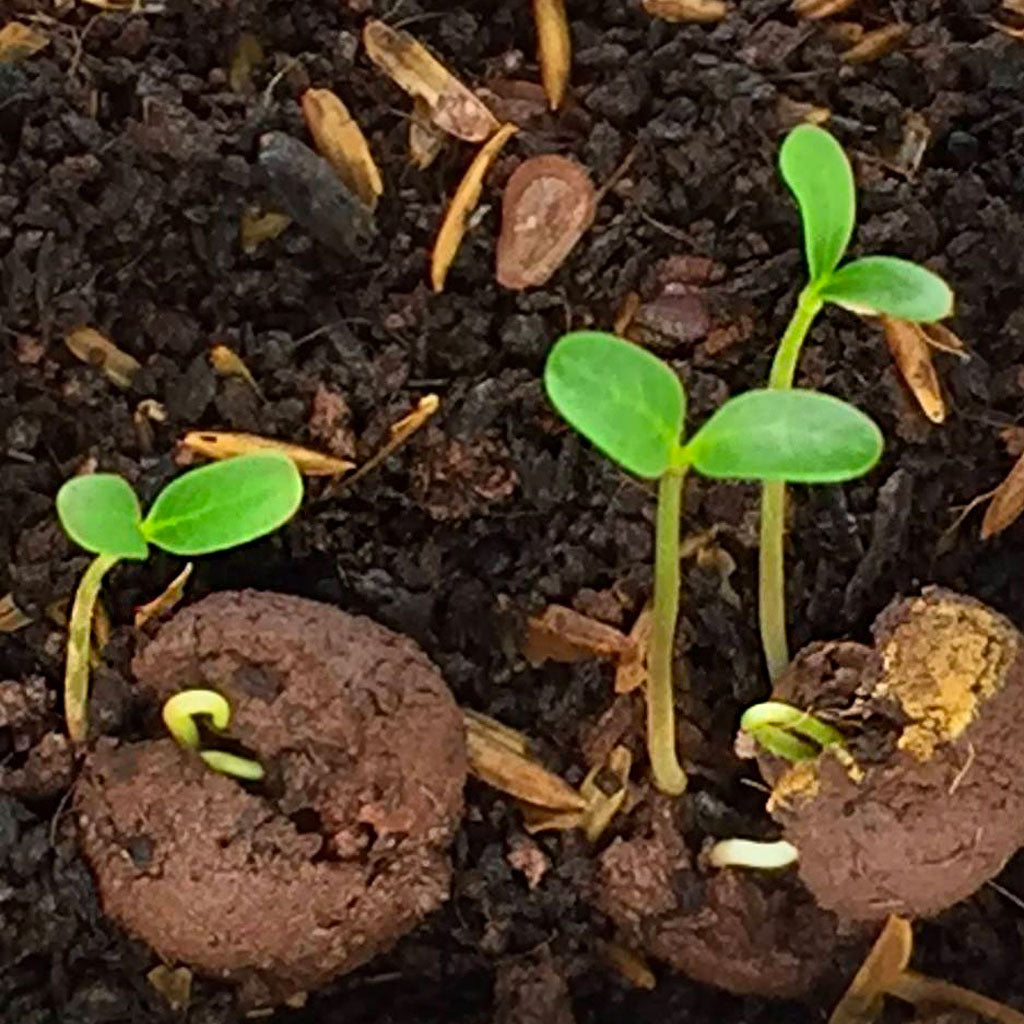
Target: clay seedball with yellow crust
927, 804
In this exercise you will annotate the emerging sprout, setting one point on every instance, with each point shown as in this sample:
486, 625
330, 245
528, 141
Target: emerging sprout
815, 167
784, 730
209, 509
748, 853
179, 716
632, 406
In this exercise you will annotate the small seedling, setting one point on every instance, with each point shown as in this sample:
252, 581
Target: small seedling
787, 731
632, 406
817, 171
179, 714
209, 509
751, 853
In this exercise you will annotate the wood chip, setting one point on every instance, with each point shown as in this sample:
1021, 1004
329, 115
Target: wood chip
549, 203
12, 618
627, 963
563, 634
876, 44
412, 67
554, 48
245, 58
340, 141
888, 959
814, 9
165, 602
706, 11
425, 138
98, 350
1007, 503
219, 444
175, 985
257, 227
492, 761
605, 789
631, 672
228, 363
913, 356
18, 41
467, 195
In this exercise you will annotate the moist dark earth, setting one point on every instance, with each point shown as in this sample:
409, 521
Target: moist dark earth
126, 162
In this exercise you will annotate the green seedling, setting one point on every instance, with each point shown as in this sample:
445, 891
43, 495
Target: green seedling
788, 732
179, 714
817, 171
209, 509
632, 406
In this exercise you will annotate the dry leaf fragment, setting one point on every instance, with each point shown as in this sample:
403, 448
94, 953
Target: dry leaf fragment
228, 363
876, 44
18, 41
399, 433
411, 66
549, 203
219, 444
1007, 502
563, 634
631, 672
629, 964
941, 337
246, 57
492, 761
913, 356
888, 959
467, 195
706, 11
174, 985
516, 741
12, 618
425, 138
164, 602
92, 347
814, 9
554, 48
340, 141
604, 789
257, 227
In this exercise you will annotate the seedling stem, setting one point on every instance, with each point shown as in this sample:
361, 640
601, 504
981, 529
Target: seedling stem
179, 716
749, 853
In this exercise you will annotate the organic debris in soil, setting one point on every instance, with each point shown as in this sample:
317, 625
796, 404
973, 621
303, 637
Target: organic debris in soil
1007, 502
876, 44
18, 41
549, 203
229, 363
909, 347
258, 226
700, 11
563, 634
98, 350
815, 9
165, 602
223, 444
554, 48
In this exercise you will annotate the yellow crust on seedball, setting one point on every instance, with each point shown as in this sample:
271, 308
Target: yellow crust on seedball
800, 782
940, 664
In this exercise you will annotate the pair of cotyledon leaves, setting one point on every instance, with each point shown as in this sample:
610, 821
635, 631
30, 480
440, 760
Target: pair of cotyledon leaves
204, 510
632, 406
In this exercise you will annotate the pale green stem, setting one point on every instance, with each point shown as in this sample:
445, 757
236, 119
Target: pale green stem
772, 572
773, 724
76, 672
669, 777
748, 853
179, 716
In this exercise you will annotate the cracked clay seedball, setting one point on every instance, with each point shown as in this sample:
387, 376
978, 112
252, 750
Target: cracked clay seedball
339, 852
748, 932
930, 803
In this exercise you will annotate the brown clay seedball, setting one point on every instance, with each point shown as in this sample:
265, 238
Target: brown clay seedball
932, 803
340, 852
744, 931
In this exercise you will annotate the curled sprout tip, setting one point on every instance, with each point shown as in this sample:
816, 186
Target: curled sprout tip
179, 716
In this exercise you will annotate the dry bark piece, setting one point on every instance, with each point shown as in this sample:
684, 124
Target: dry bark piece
98, 350
307, 188
18, 41
165, 602
467, 195
814, 9
876, 44
549, 203
555, 48
1007, 502
909, 347
930, 806
341, 142
425, 138
706, 11
412, 67
563, 634
258, 226
280, 891
222, 444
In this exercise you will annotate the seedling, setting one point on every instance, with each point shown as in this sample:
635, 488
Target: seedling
751, 853
209, 509
632, 406
179, 714
787, 731
817, 171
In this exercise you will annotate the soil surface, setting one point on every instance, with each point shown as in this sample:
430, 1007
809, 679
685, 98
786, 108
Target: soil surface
126, 163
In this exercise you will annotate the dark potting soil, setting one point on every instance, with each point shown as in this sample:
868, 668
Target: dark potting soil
126, 162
